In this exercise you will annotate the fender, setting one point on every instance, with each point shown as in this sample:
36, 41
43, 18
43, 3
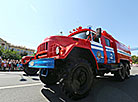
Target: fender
71, 47
26, 59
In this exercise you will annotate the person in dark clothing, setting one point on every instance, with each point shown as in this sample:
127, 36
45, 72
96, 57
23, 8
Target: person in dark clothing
0, 63
5, 64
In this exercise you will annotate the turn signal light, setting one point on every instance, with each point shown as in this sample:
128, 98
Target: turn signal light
74, 30
80, 27
70, 32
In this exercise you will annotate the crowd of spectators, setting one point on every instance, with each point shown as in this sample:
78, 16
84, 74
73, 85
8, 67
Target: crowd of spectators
10, 64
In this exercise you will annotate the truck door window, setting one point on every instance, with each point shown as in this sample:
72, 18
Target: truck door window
107, 41
96, 40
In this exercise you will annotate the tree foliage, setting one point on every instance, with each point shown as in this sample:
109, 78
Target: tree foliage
10, 54
135, 59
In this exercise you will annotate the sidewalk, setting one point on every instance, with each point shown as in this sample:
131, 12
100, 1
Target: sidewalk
7, 70
10, 70
135, 65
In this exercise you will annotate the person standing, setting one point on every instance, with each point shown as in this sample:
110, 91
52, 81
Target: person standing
12, 66
9, 65
17, 65
4, 64
20, 65
0, 63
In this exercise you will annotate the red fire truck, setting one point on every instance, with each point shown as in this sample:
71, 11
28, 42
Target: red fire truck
75, 60
29, 71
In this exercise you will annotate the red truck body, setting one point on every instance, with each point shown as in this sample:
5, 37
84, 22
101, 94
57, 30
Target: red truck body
75, 59
66, 43
26, 59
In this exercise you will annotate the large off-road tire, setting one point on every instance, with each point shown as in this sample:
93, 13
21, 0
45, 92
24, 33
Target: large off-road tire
77, 79
127, 70
30, 71
121, 73
51, 77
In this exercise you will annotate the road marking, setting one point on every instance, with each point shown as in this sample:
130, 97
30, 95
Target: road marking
49, 90
18, 86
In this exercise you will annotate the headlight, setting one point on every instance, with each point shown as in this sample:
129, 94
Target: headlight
57, 50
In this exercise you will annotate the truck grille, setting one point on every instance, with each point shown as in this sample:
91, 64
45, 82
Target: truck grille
43, 47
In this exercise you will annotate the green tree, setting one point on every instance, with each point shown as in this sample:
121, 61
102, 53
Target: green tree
135, 59
9, 54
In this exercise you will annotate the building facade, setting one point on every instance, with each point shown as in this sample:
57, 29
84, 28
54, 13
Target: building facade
4, 44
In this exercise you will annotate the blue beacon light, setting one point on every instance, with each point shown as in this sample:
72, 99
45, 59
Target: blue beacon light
90, 27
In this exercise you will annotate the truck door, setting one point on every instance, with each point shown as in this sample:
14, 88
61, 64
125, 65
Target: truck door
109, 50
97, 49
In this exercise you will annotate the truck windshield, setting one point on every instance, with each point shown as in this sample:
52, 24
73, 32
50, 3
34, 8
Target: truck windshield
81, 35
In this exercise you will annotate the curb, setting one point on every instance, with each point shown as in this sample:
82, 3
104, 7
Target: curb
10, 70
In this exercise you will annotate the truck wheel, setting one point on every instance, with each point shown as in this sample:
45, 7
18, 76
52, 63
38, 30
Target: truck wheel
30, 71
77, 79
127, 71
51, 77
121, 73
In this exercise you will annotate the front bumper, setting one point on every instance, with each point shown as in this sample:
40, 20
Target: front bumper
42, 63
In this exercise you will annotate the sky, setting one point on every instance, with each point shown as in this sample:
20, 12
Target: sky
29, 22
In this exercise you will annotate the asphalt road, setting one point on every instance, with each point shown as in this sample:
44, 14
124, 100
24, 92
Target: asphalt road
17, 87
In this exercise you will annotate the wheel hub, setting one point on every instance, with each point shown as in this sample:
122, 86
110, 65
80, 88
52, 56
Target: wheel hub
81, 76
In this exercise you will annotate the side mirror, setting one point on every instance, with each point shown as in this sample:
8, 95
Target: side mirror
98, 32
88, 33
